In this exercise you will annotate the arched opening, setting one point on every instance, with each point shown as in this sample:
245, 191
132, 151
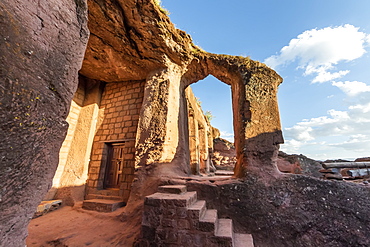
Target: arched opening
211, 130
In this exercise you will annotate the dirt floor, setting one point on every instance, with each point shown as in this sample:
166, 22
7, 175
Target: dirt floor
74, 227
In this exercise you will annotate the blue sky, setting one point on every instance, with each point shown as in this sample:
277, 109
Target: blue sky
320, 48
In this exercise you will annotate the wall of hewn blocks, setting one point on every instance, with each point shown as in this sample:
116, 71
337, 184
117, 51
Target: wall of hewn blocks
119, 116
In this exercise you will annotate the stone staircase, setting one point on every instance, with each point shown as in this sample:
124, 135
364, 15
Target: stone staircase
174, 217
106, 202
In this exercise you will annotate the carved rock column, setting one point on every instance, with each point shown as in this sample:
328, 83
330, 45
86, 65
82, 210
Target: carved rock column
42, 44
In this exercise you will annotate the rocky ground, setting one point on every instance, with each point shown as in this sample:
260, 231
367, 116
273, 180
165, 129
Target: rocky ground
73, 226
289, 210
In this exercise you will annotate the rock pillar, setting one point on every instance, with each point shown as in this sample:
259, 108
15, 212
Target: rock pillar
193, 145
41, 50
160, 139
257, 121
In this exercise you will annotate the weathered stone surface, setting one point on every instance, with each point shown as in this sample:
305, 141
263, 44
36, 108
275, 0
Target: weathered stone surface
40, 56
243, 240
42, 44
255, 110
298, 164
47, 206
172, 189
41, 49
122, 47
72, 172
363, 159
197, 210
224, 154
102, 205
208, 222
200, 135
293, 210
171, 200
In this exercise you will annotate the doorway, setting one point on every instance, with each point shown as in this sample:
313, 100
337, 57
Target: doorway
115, 162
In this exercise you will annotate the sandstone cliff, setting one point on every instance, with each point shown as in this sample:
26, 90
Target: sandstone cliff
43, 46
41, 51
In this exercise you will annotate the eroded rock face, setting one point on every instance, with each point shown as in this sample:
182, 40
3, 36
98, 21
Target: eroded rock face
41, 55
41, 50
363, 159
292, 210
130, 39
298, 164
224, 154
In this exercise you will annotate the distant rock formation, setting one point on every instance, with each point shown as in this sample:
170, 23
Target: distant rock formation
298, 164
364, 159
224, 154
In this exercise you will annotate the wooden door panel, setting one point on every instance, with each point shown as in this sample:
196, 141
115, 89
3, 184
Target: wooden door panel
114, 167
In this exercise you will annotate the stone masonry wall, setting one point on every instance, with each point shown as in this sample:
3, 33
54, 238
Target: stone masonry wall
119, 116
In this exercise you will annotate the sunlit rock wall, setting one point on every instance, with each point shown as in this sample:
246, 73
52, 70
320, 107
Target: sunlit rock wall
41, 50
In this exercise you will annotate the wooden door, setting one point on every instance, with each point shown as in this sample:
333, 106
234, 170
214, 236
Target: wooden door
113, 174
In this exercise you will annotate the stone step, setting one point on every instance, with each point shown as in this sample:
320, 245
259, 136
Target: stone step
209, 221
166, 200
105, 197
224, 173
102, 205
197, 209
225, 228
243, 240
172, 189
106, 192
224, 233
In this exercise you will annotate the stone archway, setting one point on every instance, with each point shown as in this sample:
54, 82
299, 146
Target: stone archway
120, 48
201, 132
256, 117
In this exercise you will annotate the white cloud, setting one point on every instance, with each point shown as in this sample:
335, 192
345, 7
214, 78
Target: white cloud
227, 136
291, 146
362, 108
300, 132
368, 39
338, 134
357, 143
345, 134
323, 75
352, 88
318, 50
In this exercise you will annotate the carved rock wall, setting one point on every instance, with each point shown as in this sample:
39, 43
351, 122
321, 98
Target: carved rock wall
292, 210
121, 46
44, 44
41, 50
200, 135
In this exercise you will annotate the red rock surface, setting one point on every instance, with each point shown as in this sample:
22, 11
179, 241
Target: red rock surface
41, 50
224, 154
